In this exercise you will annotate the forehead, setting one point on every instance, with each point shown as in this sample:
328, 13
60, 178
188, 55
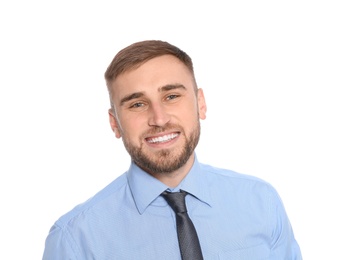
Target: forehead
153, 74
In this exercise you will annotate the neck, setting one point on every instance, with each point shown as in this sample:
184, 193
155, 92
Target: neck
172, 179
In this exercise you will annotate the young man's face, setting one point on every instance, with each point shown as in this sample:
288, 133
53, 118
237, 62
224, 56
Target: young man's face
156, 112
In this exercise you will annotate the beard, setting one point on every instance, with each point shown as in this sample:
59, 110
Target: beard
164, 161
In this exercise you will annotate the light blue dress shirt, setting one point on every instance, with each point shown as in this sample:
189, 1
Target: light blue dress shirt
236, 217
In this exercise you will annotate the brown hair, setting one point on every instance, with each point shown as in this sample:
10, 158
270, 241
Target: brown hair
137, 54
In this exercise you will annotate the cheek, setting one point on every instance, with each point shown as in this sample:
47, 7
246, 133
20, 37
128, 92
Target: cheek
189, 113
132, 127
188, 118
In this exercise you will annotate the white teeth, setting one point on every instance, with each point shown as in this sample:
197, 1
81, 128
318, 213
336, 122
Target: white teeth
162, 139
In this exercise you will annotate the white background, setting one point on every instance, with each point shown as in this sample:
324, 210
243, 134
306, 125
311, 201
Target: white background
268, 70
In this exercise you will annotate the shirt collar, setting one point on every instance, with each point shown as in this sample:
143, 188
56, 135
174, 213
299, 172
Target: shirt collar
145, 188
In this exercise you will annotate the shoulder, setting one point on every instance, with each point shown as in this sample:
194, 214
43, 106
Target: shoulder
226, 173
107, 195
242, 190
63, 240
235, 181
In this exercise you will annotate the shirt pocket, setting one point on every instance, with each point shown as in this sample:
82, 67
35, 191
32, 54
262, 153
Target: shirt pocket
259, 252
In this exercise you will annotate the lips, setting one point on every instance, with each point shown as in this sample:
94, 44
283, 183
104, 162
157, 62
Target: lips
162, 139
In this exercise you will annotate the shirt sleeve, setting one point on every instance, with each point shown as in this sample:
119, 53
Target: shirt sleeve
58, 246
284, 245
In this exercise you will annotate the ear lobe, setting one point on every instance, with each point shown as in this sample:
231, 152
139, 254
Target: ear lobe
114, 124
202, 104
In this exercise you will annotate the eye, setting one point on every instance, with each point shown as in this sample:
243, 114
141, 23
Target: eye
172, 96
137, 105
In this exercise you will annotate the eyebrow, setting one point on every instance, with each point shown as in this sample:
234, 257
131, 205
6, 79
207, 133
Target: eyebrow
171, 86
131, 96
160, 89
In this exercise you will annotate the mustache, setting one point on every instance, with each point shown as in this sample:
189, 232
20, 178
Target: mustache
160, 129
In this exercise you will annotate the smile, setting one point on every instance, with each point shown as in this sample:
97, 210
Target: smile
162, 139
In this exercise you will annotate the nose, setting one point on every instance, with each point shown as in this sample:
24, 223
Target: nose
158, 115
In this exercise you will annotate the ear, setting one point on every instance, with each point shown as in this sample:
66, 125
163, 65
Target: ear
201, 104
114, 123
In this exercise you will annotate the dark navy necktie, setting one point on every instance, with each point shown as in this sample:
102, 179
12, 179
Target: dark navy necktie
187, 235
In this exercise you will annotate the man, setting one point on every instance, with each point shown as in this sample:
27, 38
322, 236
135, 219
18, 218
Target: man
155, 108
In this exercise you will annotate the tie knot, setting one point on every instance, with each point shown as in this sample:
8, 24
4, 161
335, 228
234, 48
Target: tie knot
176, 200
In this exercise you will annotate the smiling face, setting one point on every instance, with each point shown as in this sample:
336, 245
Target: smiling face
156, 112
